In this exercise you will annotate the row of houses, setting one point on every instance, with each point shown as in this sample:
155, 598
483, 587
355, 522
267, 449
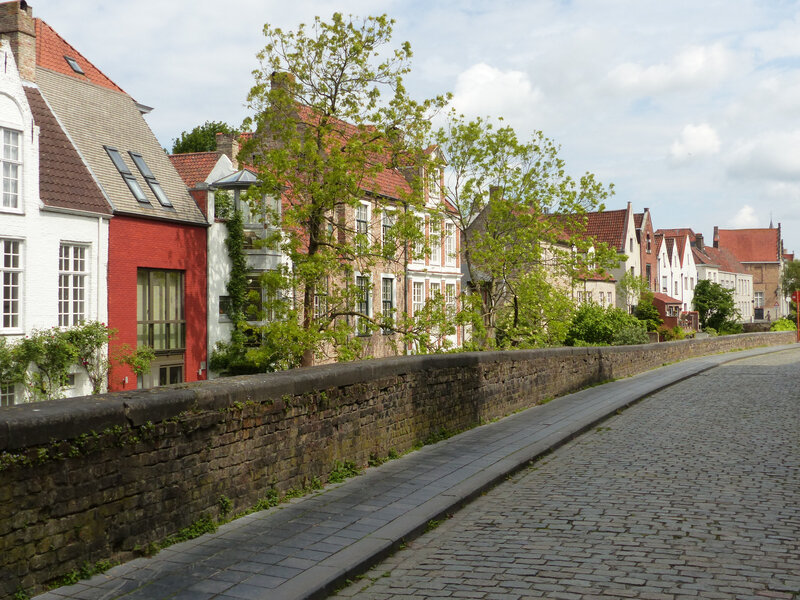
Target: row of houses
97, 223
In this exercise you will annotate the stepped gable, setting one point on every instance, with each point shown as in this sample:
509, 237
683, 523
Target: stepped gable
64, 180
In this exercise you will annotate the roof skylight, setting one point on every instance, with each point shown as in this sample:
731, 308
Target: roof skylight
74, 64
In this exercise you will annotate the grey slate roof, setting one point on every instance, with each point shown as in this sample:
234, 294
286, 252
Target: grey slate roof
95, 116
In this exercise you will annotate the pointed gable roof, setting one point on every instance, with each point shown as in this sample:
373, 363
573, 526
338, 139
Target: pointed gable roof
64, 180
608, 227
721, 257
96, 114
51, 50
752, 245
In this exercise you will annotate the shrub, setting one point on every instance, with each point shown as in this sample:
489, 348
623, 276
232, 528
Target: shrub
782, 325
594, 325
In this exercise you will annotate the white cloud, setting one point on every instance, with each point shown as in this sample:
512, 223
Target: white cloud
772, 156
695, 141
485, 90
694, 66
781, 41
744, 218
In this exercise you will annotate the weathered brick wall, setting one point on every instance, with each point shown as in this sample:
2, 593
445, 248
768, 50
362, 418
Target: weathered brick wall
94, 478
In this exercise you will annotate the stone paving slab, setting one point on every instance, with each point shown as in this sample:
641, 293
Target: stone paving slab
311, 546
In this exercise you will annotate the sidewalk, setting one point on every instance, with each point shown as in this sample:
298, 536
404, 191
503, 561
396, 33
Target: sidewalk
310, 547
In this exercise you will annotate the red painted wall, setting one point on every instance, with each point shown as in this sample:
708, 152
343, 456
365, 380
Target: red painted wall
135, 243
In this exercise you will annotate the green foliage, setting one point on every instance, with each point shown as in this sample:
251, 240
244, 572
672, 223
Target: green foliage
594, 325
345, 92
91, 343
710, 331
343, 470
673, 334
13, 363
647, 312
524, 230
52, 355
225, 505
783, 325
715, 306
632, 287
202, 138
205, 524
138, 359
790, 279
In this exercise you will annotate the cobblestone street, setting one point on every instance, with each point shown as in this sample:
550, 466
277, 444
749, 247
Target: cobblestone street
692, 493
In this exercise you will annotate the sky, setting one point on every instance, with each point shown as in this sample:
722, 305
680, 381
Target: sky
689, 108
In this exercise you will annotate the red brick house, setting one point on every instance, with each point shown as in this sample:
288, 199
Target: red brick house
157, 233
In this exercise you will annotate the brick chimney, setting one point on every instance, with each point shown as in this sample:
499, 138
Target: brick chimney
17, 26
698, 241
716, 236
228, 145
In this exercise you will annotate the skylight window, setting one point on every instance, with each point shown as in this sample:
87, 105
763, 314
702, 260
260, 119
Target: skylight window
150, 179
123, 169
74, 64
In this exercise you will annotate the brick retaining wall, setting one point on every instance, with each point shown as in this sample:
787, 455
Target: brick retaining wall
96, 478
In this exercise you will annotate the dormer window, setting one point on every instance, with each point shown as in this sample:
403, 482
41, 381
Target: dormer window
130, 180
74, 65
150, 179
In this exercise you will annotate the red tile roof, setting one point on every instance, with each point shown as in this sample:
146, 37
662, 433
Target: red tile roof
194, 167
678, 232
665, 299
751, 245
721, 257
608, 227
64, 180
51, 49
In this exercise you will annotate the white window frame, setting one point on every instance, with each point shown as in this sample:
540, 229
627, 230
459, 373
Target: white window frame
11, 285
417, 300
362, 225
9, 164
418, 248
450, 295
435, 240
360, 300
73, 283
388, 220
450, 246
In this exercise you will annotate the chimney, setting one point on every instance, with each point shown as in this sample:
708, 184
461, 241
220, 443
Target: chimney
716, 236
228, 145
698, 241
17, 26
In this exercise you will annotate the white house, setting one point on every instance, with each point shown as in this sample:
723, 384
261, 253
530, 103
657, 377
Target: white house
54, 219
677, 271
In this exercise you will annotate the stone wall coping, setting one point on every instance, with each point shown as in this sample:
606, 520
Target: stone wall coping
28, 425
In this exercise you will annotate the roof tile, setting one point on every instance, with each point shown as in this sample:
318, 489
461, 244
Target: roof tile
751, 245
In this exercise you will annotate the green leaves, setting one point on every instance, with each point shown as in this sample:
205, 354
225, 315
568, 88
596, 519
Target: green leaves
715, 305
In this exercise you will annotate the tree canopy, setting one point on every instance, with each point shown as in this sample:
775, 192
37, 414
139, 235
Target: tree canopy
202, 138
715, 305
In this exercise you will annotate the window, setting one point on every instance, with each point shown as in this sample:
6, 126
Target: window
7, 395
610, 298
588, 296
362, 226
418, 250
72, 277
630, 244
387, 222
74, 65
759, 299
362, 304
150, 179
664, 287
676, 289
449, 243
168, 374
649, 245
649, 274
130, 180
321, 299
417, 296
579, 296
450, 298
161, 323
435, 241
434, 183
11, 166
602, 298
387, 300
11, 273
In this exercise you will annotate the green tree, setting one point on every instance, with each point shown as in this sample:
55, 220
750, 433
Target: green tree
631, 287
90, 341
331, 113
202, 138
647, 312
715, 306
52, 355
13, 363
790, 279
524, 226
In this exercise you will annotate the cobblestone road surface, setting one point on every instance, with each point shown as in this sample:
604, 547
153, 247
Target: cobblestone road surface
693, 493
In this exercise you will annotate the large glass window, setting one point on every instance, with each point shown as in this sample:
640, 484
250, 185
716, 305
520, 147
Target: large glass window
450, 243
362, 227
12, 163
450, 298
417, 296
7, 395
72, 279
161, 322
435, 241
387, 300
11, 279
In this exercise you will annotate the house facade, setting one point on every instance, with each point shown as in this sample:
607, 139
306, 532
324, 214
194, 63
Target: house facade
156, 248
645, 236
54, 220
760, 251
677, 267
720, 266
